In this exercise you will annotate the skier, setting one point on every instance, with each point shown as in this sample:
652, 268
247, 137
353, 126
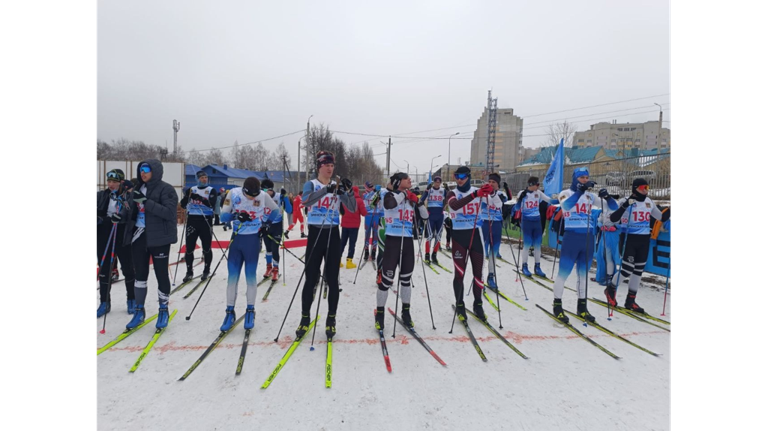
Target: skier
528, 203
490, 215
375, 210
199, 201
448, 224
297, 215
608, 254
350, 227
273, 226
217, 207
434, 196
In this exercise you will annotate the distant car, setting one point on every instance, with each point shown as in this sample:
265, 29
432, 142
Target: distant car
614, 178
647, 175
422, 184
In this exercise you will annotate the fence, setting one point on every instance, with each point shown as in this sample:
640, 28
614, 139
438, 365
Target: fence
615, 175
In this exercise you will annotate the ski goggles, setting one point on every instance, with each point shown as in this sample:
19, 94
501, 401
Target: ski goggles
644, 188
460, 176
145, 169
113, 176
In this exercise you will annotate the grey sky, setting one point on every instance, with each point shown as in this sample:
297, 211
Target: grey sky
242, 70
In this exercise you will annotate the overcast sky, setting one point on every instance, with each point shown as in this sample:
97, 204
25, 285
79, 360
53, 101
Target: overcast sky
247, 70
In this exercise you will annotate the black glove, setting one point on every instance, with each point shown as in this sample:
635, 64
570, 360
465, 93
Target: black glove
263, 231
115, 218
197, 197
331, 188
283, 192
396, 183
127, 184
586, 186
347, 184
628, 202
138, 196
243, 217
522, 195
603, 193
506, 186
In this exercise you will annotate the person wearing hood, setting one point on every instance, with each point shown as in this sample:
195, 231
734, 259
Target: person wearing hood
199, 201
578, 241
246, 207
350, 227
323, 197
464, 203
154, 231
273, 227
634, 218
528, 203
112, 209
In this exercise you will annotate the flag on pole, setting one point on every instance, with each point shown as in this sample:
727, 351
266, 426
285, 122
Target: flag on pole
553, 182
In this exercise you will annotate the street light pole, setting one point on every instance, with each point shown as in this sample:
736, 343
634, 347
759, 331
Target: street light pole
407, 167
430, 164
449, 156
306, 139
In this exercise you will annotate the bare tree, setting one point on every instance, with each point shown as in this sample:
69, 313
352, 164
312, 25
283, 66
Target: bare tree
123, 149
215, 157
558, 131
282, 154
194, 157
320, 138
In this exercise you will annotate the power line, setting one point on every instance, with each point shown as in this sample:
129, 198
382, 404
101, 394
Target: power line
602, 118
596, 106
594, 113
249, 143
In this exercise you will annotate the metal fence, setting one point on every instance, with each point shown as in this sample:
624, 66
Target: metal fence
615, 175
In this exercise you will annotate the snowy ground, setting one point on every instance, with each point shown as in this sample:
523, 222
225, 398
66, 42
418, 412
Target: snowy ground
566, 384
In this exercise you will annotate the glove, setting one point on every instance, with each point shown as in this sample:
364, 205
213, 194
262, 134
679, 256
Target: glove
127, 184
485, 190
243, 217
283, 192
522, 195
429, 186
115, 218
627, 203
396, 184
412, 197
586, 186
603, 193
378, 187
331, 188
197, 197
138, 196
347, 184
505, 185
263, 231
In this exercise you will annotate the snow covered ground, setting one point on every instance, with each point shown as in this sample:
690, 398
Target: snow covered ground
566, 384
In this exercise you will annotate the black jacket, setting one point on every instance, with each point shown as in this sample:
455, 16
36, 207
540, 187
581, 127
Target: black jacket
159, 208
102, 205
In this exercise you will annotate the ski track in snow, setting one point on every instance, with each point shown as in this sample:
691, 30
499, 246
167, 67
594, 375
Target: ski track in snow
566, 383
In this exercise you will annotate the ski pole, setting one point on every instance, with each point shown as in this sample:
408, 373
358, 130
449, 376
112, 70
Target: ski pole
666, 289
400, 266
178, 257
325, 268
466, 259
623, 249
429, 301
493, 256
604, 238
512, 252
111, 258
365, 243
587, 260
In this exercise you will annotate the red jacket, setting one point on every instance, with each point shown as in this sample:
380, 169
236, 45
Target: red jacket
352, 219
297, 206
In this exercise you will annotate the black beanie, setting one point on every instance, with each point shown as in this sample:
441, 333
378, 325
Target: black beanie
637, 182
496, 177
267, 184
251, 186
323, 158
201, 173
463, 170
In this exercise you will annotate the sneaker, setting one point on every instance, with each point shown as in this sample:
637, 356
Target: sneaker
131, 305
229, 319
477, 307
138, 317
526, 272
350, 264
434, 257
162, 317
275, 273
250, 316
426, 258
269, 271
537, 270
103, 309
461, 312
190, 275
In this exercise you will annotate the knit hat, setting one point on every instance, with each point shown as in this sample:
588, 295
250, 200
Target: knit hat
324, 158
437, 178
251, 186
115, 175
495, 177
463, 170
201, 173
267, 184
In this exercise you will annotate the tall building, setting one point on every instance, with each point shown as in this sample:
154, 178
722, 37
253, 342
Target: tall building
623, 136
509, 140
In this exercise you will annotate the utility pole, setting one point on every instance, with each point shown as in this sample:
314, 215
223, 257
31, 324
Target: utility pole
658, 139
306, 140
389, 151
176, 127
491, 136
298, 169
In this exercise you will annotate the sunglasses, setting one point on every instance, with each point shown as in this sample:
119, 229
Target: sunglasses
644, 188
146, 169
460, 176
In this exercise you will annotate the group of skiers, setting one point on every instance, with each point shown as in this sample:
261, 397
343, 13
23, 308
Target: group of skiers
139, 220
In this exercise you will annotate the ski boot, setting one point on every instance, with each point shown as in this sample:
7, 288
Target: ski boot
537, 270
229, 319
303, 326
407, 315
162, 317
426, 258
138, 317
268, 273
350, 264
378, 317
525, 270
303, 235
250, 316
434, 257
373, 254
330, 326
477, 307
275, 273
492, 281
131, 305
190, 275
206, 273
630, 304
366, 255
286, 234
103, 309
461, 312
448, 246
581, 310
557, 310
610, 295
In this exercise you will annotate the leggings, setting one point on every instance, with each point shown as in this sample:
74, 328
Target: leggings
434, 231
122, 253
198, 227
317, 246
634, 259
141, 255
392, 259
371, 230
578, 249
244, 251
532, 233
460, 249
348, 234
273, 248
492, 234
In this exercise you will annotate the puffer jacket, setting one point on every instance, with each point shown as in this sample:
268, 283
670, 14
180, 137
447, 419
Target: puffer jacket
159, 208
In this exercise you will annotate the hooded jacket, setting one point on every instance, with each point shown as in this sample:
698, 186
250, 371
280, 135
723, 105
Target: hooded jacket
160, 206
352, 219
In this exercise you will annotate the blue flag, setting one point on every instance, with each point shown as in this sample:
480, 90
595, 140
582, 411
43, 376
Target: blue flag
553, 182
429, 180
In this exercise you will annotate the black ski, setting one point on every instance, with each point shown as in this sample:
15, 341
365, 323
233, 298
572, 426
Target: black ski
184, 284
471, 336
418, 338
609, 332
629, 313
210, 348
269, 289
577, 332
498, 335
